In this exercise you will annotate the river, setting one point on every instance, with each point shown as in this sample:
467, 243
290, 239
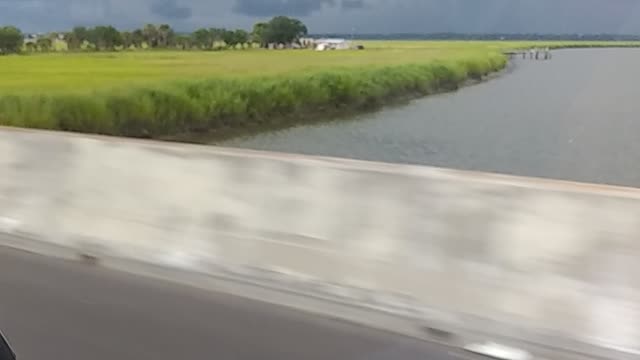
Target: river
575, 117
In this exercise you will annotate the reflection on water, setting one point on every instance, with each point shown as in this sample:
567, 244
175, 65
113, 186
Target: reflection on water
575, 117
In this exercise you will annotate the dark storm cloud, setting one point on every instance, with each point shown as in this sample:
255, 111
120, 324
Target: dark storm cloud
262, 8
322, 16
169, 9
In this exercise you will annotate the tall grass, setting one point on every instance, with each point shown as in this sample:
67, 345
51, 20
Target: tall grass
165, 94
227, 104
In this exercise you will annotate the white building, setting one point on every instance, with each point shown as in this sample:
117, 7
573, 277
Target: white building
306, 42
332, 44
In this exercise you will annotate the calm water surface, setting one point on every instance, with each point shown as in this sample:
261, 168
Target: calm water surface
575, 117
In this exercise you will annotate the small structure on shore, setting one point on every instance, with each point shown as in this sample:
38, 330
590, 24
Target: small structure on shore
316, 44
332, 44
306, 43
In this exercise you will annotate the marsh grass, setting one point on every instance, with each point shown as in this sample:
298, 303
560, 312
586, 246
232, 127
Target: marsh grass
164, 94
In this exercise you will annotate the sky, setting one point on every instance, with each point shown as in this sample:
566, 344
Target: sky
336, 16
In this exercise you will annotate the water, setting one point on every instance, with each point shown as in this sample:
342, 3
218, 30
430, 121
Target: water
575, 117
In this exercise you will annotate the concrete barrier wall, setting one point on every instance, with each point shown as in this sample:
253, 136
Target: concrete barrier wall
554, 256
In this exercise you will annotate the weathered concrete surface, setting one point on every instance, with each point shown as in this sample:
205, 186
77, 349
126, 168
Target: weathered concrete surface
557, 257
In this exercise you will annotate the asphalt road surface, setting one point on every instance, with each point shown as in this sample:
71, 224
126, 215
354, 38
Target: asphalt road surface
56, 310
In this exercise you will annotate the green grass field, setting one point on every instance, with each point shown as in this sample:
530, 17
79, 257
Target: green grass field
81, 72
162, 93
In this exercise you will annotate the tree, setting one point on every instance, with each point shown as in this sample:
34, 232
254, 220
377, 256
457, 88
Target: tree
183, 42
201, 38
229, 38
76, 37
30, 46
166, 35
111, 38
73, 42
137, 38
217, 35
151, 35
44, 44
81, 33
242, 37
127, 39
258, 34
284, 30
105, 37
53, 36
11, 40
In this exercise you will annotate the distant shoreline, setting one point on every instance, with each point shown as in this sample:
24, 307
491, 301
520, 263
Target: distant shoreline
445, 36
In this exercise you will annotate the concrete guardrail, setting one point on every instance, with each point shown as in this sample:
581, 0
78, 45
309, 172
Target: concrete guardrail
559, 257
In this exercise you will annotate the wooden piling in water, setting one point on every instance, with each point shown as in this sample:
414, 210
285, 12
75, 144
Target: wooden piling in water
537, 54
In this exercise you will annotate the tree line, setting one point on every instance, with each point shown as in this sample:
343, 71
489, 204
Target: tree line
279, 30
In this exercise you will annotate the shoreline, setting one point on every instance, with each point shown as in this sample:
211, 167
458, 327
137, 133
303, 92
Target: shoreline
219, 109
339, 115
345, 113
402, 100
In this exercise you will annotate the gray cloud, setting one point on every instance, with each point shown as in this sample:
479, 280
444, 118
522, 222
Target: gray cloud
324, 16
353, 4
169, 9
262, 8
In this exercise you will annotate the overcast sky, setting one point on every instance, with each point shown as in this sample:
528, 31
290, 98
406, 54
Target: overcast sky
365, 16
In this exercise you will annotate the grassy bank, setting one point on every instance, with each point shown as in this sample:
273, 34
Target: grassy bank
162, 94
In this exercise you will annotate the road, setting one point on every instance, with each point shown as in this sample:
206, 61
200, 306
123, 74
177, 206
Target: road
52, 309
